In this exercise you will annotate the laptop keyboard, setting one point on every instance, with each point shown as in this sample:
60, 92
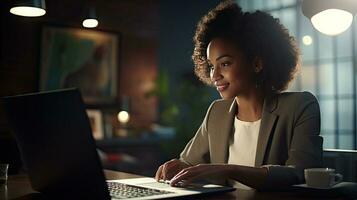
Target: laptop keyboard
123, 191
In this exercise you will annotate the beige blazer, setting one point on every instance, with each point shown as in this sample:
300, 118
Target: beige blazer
288, 140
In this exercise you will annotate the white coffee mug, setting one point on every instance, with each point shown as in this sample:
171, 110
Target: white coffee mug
322, 177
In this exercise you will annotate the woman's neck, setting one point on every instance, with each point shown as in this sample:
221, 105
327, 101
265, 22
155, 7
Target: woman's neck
250, 106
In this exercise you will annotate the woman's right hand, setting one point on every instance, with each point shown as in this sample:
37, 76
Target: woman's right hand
169, 169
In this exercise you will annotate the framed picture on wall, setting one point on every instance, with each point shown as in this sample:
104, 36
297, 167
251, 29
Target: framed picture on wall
82, 58
96, 122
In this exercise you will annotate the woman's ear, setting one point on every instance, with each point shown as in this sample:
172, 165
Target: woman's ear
258, 64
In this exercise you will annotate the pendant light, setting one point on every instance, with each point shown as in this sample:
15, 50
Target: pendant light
91, 19
330, 17
32, 8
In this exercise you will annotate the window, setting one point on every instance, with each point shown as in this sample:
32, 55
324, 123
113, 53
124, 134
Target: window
327, 71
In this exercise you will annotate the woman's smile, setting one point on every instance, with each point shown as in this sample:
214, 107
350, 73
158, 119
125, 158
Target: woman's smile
221, 86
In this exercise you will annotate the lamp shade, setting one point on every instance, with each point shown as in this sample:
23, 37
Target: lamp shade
90, 23
330, 17
91, 19
32, 8
124, 115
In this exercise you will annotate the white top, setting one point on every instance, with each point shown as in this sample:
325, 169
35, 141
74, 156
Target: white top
243, 145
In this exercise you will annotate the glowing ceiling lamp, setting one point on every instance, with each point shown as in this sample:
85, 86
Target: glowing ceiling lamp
91, 20
33, 8
330, 17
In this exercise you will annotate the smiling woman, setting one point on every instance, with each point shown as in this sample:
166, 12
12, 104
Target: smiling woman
257, 136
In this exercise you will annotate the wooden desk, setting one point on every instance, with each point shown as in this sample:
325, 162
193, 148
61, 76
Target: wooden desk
18, 187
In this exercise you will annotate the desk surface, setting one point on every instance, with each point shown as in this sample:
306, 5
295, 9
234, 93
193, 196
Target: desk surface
18, 187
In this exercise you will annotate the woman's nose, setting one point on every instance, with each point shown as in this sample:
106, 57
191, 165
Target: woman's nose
215, 74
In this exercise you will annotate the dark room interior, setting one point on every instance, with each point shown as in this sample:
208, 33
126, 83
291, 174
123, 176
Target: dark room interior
144, 103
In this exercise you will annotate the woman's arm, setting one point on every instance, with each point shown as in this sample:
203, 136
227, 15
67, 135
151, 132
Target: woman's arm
254, 177
196, 151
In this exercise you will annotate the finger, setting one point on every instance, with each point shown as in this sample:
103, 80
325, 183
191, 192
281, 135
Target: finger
168, 169
179, 174
158, 173
164, 171
171, 173
179, 177
172, 170
185, 170
185, 179
187, 175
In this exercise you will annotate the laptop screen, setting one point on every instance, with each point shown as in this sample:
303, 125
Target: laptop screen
54, 137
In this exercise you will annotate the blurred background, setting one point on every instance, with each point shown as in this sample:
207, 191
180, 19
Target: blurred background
135, 72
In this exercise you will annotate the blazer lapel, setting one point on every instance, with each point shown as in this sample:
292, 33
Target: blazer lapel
225, 130
268, 121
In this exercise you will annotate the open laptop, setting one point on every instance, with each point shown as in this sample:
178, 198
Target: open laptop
58, 150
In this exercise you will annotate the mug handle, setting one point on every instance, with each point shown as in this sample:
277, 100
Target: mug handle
337, 178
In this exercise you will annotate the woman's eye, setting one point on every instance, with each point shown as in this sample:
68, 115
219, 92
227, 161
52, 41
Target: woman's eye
225, 64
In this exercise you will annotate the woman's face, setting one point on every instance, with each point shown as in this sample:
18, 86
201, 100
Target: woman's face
229, 69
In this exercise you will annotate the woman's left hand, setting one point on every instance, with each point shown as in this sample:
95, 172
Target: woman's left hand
196, 172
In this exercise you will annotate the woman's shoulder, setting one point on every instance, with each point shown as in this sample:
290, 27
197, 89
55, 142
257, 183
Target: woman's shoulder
296, 97
222, 103
221, 106
220, 111
296, 102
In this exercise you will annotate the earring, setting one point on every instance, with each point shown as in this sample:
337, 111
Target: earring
257, 81
259, 78
257, 69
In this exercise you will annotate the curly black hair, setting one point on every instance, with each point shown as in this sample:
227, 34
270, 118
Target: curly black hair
257, 35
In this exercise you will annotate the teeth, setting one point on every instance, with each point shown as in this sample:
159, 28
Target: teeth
222, 87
